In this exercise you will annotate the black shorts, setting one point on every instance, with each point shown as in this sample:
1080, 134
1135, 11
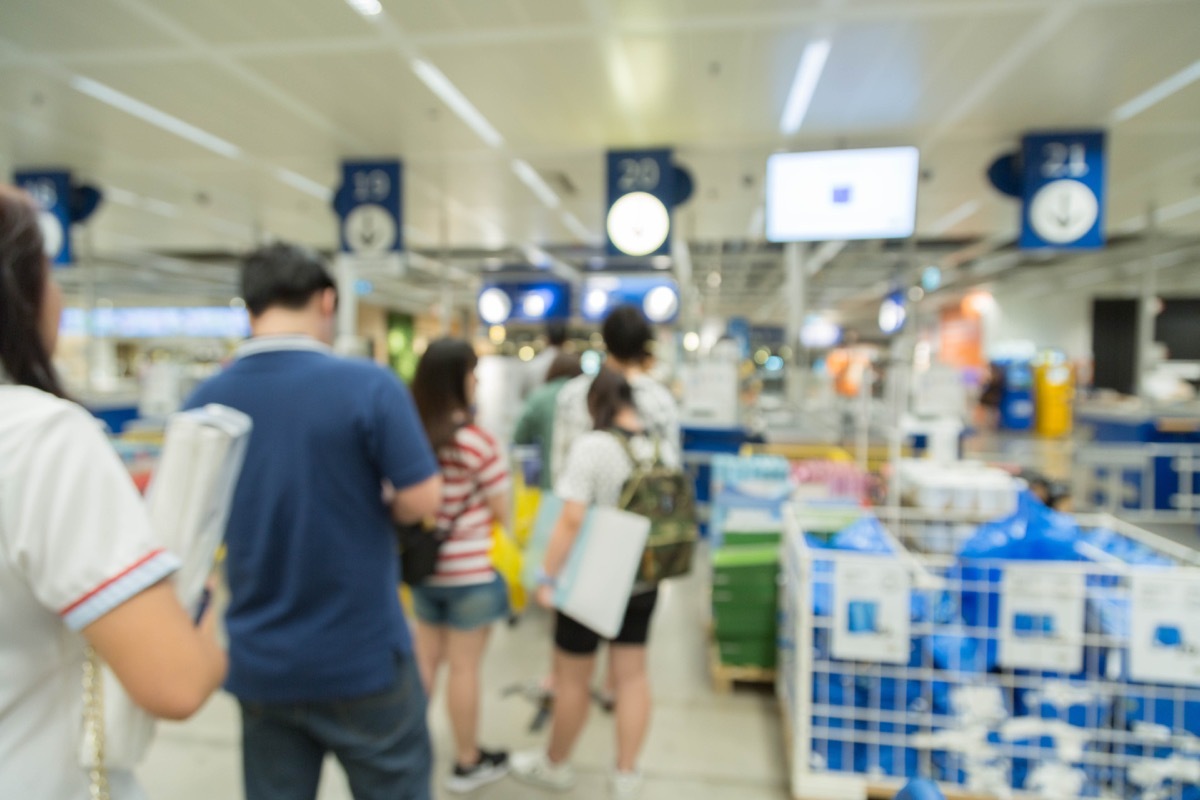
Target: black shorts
579, 640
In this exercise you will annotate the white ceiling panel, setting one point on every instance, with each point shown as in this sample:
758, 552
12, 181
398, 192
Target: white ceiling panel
373, 97
55, 25
237, 21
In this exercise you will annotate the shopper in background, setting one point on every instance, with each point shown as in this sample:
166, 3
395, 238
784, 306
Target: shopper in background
537, 372
597, 469
628, 337
536, 424
321, 659
456, 607
79, 563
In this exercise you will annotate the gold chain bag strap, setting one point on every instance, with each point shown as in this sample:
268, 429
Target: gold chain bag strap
93, 725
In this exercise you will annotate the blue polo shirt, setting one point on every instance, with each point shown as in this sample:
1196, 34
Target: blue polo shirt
312, 563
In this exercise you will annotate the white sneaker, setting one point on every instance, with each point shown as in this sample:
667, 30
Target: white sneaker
626, 785
533, 767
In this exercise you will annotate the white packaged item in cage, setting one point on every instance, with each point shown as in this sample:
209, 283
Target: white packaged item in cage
1021, 677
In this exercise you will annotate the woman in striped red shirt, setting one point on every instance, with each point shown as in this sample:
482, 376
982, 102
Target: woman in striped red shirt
457, 606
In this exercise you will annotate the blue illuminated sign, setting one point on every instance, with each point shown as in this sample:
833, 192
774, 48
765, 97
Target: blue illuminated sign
1064, 190
524, 301
217, 322
656, 296
52, 191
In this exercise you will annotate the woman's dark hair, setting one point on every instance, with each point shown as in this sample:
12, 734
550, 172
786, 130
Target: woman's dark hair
23, 277
440, 389
283, 275
627, 334
564, 365
609, 395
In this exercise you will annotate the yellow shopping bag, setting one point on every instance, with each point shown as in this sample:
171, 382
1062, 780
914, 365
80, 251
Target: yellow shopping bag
508, 562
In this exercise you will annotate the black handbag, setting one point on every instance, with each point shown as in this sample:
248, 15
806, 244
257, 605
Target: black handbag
419, 548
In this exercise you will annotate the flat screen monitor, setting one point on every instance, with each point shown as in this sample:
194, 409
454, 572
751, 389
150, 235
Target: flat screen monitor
842, 194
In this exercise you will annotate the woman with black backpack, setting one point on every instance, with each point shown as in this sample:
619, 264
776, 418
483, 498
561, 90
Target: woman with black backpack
597, 469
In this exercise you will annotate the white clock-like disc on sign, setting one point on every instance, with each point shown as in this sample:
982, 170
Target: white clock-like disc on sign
1063, 211
370, 230
638, 223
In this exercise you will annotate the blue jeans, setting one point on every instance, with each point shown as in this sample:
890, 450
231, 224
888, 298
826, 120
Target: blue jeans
381, 741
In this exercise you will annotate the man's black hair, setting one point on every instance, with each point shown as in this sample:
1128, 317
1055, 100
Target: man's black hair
556, 333
282, 275
627, 334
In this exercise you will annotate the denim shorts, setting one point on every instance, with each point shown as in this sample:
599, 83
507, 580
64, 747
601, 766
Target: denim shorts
463, 608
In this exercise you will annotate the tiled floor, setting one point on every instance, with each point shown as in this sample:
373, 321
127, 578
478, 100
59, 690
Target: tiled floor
702, 746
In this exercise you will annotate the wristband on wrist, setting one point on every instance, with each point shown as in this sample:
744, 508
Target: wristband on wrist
544, 579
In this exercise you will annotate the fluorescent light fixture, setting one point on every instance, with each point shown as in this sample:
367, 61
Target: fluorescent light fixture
306, 185
1158, 93
1177, 210
127, 198
160, 207
368, 8
756, 230
530, 178
449, 94
536, 256
160, 119
963, 212
804, 85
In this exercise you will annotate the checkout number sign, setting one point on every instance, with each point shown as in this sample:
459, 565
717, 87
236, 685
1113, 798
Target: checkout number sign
372, 221
51, 190
640, 193
1063, 190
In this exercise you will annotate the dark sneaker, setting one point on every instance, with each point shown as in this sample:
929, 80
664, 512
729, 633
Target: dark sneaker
491, 767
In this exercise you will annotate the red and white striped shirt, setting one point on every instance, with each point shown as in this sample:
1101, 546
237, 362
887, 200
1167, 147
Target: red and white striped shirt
473, 469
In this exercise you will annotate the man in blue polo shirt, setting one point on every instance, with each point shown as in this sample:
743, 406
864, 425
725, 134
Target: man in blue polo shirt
320, 655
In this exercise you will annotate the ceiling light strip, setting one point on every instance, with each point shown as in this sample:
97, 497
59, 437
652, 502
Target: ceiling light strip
576, 227
1156, 94
152, 115
804, 85
960, 214
368, 8
537, 185
304, 184
448, 93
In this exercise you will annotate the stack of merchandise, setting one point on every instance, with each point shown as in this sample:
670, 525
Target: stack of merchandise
745, 599
749, 494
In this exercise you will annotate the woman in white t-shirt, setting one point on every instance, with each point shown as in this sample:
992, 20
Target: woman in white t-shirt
79, 564
597, 469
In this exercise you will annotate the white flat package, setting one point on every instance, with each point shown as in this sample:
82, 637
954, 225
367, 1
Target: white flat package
595, 586
188, 502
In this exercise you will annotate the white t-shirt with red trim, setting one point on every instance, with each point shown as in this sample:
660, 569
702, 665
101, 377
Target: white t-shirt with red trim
474, 468
75, 543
